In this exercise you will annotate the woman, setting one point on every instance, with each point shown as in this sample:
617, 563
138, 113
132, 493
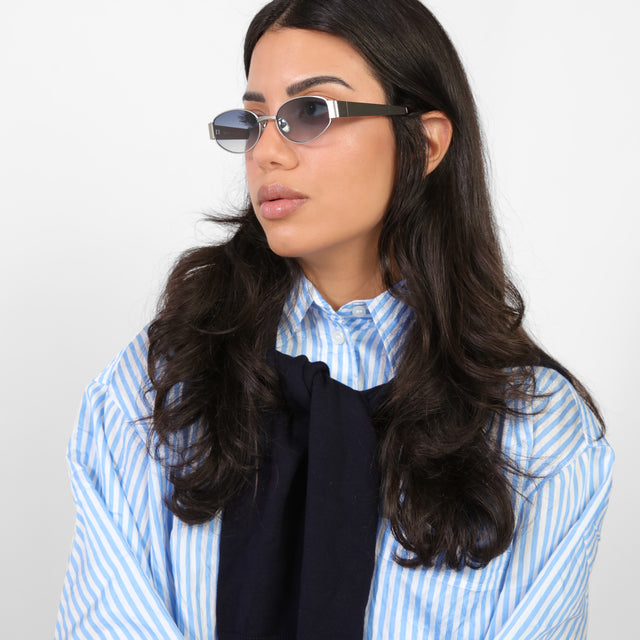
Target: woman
336, 425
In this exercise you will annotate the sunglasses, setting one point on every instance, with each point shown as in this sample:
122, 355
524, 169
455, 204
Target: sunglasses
299, 120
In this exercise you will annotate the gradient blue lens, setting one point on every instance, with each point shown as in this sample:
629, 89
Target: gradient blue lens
303, 119
236, 130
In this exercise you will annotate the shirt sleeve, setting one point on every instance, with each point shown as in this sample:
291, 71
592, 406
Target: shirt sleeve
117, 584
563, 502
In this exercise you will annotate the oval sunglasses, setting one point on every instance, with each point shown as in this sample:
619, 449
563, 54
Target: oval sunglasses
299, 120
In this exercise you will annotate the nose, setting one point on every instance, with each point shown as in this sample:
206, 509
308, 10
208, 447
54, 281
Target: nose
272, 149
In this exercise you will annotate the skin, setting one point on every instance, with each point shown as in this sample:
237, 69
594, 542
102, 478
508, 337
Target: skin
346, 175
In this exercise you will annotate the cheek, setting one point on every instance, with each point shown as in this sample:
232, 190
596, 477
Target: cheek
252, 178
366, 172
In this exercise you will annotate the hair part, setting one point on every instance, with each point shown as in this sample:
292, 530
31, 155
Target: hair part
466, 358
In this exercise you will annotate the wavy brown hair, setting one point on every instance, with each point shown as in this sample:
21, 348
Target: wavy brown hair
467, 356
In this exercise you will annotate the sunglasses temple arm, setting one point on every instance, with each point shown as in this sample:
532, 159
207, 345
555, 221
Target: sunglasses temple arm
353, 109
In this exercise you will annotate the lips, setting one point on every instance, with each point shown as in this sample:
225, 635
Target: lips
277, 201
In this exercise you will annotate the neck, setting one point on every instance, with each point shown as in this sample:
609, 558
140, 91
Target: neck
338, 285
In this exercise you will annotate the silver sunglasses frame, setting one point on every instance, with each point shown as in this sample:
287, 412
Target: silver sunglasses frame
335, 109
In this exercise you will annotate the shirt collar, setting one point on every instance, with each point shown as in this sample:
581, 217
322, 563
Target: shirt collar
297, 304
391, 316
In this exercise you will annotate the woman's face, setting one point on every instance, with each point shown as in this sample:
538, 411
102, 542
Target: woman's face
336, 188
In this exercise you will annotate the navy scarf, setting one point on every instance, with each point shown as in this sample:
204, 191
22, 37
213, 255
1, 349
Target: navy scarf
297, 547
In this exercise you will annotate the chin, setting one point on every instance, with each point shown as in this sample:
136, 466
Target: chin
285, 246
283, 249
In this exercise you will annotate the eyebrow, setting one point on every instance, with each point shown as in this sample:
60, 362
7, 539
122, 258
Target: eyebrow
298, 87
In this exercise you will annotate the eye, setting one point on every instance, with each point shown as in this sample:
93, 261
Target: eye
248, 119
257, 109
311, 109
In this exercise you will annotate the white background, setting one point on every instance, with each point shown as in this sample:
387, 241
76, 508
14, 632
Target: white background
106, 169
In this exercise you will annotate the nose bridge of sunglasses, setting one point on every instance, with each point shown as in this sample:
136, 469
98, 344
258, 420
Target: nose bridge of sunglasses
263, 121
282, 125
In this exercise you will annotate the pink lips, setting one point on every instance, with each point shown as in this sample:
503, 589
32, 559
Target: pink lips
277, 201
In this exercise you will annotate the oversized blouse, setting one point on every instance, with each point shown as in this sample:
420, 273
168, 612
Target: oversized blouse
137, 571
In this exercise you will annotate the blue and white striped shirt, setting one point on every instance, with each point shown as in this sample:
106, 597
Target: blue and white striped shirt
136, 571
360, 343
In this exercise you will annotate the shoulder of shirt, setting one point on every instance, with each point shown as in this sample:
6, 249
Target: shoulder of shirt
123, 385
551, 430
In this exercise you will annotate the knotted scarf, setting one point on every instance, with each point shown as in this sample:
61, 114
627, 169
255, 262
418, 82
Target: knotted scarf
297, 546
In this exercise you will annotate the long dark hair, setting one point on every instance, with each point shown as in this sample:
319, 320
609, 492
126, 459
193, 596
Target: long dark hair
446, 487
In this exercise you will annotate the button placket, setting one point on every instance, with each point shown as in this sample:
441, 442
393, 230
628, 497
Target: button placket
337, 335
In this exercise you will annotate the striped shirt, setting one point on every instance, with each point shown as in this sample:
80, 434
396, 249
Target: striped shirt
136, 571
360, 342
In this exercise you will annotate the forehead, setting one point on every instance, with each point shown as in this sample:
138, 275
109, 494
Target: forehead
284, 56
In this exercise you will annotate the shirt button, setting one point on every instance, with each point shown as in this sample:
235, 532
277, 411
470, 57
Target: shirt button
338, 337
359, 310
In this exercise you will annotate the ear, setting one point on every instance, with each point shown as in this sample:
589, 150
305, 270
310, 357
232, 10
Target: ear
439, 130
